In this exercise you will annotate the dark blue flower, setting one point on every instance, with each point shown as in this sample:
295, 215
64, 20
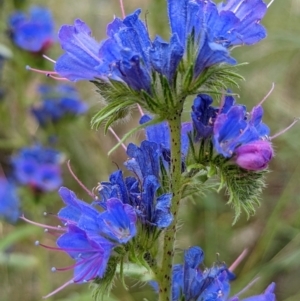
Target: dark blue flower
144, 159
212, 284
9, 201
38, 167
160, 134
33, 32
57, 102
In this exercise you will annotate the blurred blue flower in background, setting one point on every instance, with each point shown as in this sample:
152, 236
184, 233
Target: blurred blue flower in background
38, 167
9, 201
57, 102
33, 32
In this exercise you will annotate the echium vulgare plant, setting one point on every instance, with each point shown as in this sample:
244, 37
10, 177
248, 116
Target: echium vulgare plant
134, 219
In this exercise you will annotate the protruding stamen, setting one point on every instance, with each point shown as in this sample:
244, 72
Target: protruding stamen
40, 71
246, 287
122, 9
78, 181
140, 110
238, 260
57, 77
59, 289
37, 243
269, 93
49, 59
40, 225
53, 269
117, 137
270, 3
286, 129
45, 213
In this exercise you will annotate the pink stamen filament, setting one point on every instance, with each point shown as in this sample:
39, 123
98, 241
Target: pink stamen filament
122, 9
286, 129
247, 287
42, 225
49, 59
118, 139
270, 3
140, 110
238, 260
69, 249
269, 93
41, 71
57, 77
78, 181
58, 289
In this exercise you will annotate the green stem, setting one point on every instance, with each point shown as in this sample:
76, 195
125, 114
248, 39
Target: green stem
165, 279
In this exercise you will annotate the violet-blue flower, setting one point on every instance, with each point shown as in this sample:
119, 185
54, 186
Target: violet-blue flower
9, 201
118, 221
245, 136
57, 102
33, 32
38, 167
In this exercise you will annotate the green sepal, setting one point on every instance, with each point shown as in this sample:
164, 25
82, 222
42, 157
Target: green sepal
244, 188
102, 286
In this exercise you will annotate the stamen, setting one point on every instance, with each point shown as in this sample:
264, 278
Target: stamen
246, 287
78, 181
286, 129
40, 71
238, 260
70, 267
269, 93
118, 139
59, 289
37, 243
270, 3
140, 110
57, 77
40, 225
49, 59
122, 9
238, 6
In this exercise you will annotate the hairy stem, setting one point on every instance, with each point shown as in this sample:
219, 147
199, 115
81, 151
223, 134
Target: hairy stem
165, 281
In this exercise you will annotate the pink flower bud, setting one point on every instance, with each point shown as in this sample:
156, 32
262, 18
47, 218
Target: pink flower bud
255, 155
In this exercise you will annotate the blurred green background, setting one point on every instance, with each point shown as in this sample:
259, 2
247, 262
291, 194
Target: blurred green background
272, 236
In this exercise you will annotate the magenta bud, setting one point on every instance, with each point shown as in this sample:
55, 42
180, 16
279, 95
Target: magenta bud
254, 155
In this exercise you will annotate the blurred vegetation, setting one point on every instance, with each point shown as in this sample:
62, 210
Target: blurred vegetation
272, 236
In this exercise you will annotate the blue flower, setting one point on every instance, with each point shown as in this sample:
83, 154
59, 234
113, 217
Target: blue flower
212, 284
206, 30
118, 221
57, 102
33, 32
9, 201
123, 56
91, 253
38, 167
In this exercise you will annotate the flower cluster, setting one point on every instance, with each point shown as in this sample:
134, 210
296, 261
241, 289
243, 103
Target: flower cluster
58, 102
33, 32
38, 167
202, 34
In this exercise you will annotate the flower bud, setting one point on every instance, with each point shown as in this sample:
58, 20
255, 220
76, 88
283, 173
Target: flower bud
254, 155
